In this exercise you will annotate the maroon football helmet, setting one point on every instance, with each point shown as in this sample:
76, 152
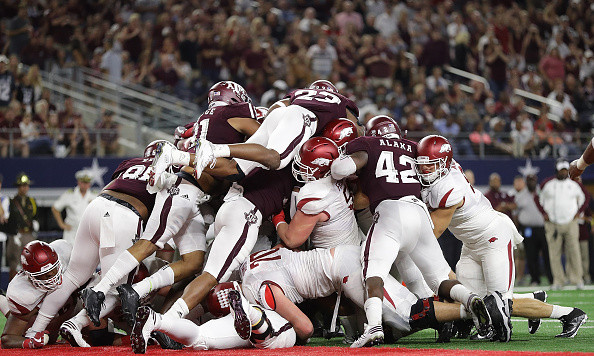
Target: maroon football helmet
217, 300
341, 131
323, 85
228, 92
384, 126
434, 159
313, 160
42, 265
261, 112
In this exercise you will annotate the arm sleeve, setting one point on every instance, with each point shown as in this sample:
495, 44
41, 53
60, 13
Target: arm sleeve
60, 204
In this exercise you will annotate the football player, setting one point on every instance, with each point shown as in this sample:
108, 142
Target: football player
229, 119
577, 167
486, 263
42, 268
239, 325
384, 163
286, 128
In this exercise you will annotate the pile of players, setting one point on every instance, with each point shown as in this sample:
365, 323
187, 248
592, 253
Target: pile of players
291, 203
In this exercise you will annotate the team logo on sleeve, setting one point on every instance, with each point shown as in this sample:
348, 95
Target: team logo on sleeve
320, 161
376, 217
173, 190
445, 148
250, 217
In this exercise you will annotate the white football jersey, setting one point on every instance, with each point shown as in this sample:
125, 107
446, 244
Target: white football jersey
334, 199
297, 274
22, 295
476, 213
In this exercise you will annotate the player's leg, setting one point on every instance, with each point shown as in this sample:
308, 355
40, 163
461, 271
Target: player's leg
236, 230
83, 262
412, 277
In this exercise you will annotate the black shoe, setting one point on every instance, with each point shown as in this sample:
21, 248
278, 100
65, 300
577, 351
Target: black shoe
500, 312
93, 302
534, 324
463, 328
130, 301
242, 324
143, 327
480, 315
446, 332
572, 322
165, 341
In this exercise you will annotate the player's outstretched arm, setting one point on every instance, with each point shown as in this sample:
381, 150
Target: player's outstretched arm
285, 308
348, 165
577, 167
442, 217
296, 233
14, 329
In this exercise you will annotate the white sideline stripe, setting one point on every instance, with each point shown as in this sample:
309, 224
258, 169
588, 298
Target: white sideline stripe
548, 288
550, 321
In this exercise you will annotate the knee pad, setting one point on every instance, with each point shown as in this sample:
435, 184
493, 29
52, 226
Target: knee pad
267, 297
422, 315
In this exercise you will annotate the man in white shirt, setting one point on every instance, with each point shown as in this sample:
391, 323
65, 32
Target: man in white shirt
561, 200
74, 201
322, 58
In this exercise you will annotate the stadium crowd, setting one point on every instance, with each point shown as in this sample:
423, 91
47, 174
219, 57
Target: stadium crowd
389, 56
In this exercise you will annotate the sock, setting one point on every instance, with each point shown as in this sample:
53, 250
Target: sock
373, 311
81, 319
523, 296
559, 311
179, 309
162, 278
4, 308
221, 150
463, 313
120, 269
460, 294
180, 158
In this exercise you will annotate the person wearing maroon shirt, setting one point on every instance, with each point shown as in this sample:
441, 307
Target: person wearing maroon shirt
501, 201
384, 163
10, 134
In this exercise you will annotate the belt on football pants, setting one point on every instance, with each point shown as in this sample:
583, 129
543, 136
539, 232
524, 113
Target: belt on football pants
121, 202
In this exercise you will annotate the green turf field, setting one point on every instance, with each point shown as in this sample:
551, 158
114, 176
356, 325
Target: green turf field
543, 340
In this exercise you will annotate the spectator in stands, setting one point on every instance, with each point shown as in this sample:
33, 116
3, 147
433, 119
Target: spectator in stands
77, 135
4, 215
561, 201
552, 66
19, 31
278, 92
531, 226
33, 133
436, 52
22, 224
322, 57
74, 201
309, 20
380, 63
111, 61
587, 65
522, 135
108, 134
496, 61
7, 84
10, 133
348, 17
436, 83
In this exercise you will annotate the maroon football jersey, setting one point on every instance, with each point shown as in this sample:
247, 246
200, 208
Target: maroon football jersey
130, 178
390, 172
268, 190
213, 126
326, 105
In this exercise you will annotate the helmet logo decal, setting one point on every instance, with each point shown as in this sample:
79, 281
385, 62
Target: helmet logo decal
445, 148
346, 132
24, 261
320, 161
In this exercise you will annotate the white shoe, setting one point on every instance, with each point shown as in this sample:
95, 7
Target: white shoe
163, 159
373, 335
71, 333
143, 326
203, 157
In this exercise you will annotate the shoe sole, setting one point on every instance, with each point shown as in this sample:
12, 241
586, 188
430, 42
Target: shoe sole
241, 322
67, 335
503, 326
125, 303
482, 314
137, 341
576, 329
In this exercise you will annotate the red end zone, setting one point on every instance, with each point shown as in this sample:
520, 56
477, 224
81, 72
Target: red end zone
59, 350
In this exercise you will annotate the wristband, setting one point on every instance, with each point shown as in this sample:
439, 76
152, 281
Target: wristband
180, 157
220, 150
581, 163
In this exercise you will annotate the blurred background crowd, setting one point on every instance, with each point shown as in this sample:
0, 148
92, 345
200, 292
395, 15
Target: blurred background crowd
393, 57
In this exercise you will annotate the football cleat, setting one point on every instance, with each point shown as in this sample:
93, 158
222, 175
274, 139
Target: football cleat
203, 157
71, 333
241, 321
144, 324
130, 301
500, 312
534, 324
445, 332
165, 341
93, 302
480, 315
572, 322
373, 335
163, 159
463, 328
